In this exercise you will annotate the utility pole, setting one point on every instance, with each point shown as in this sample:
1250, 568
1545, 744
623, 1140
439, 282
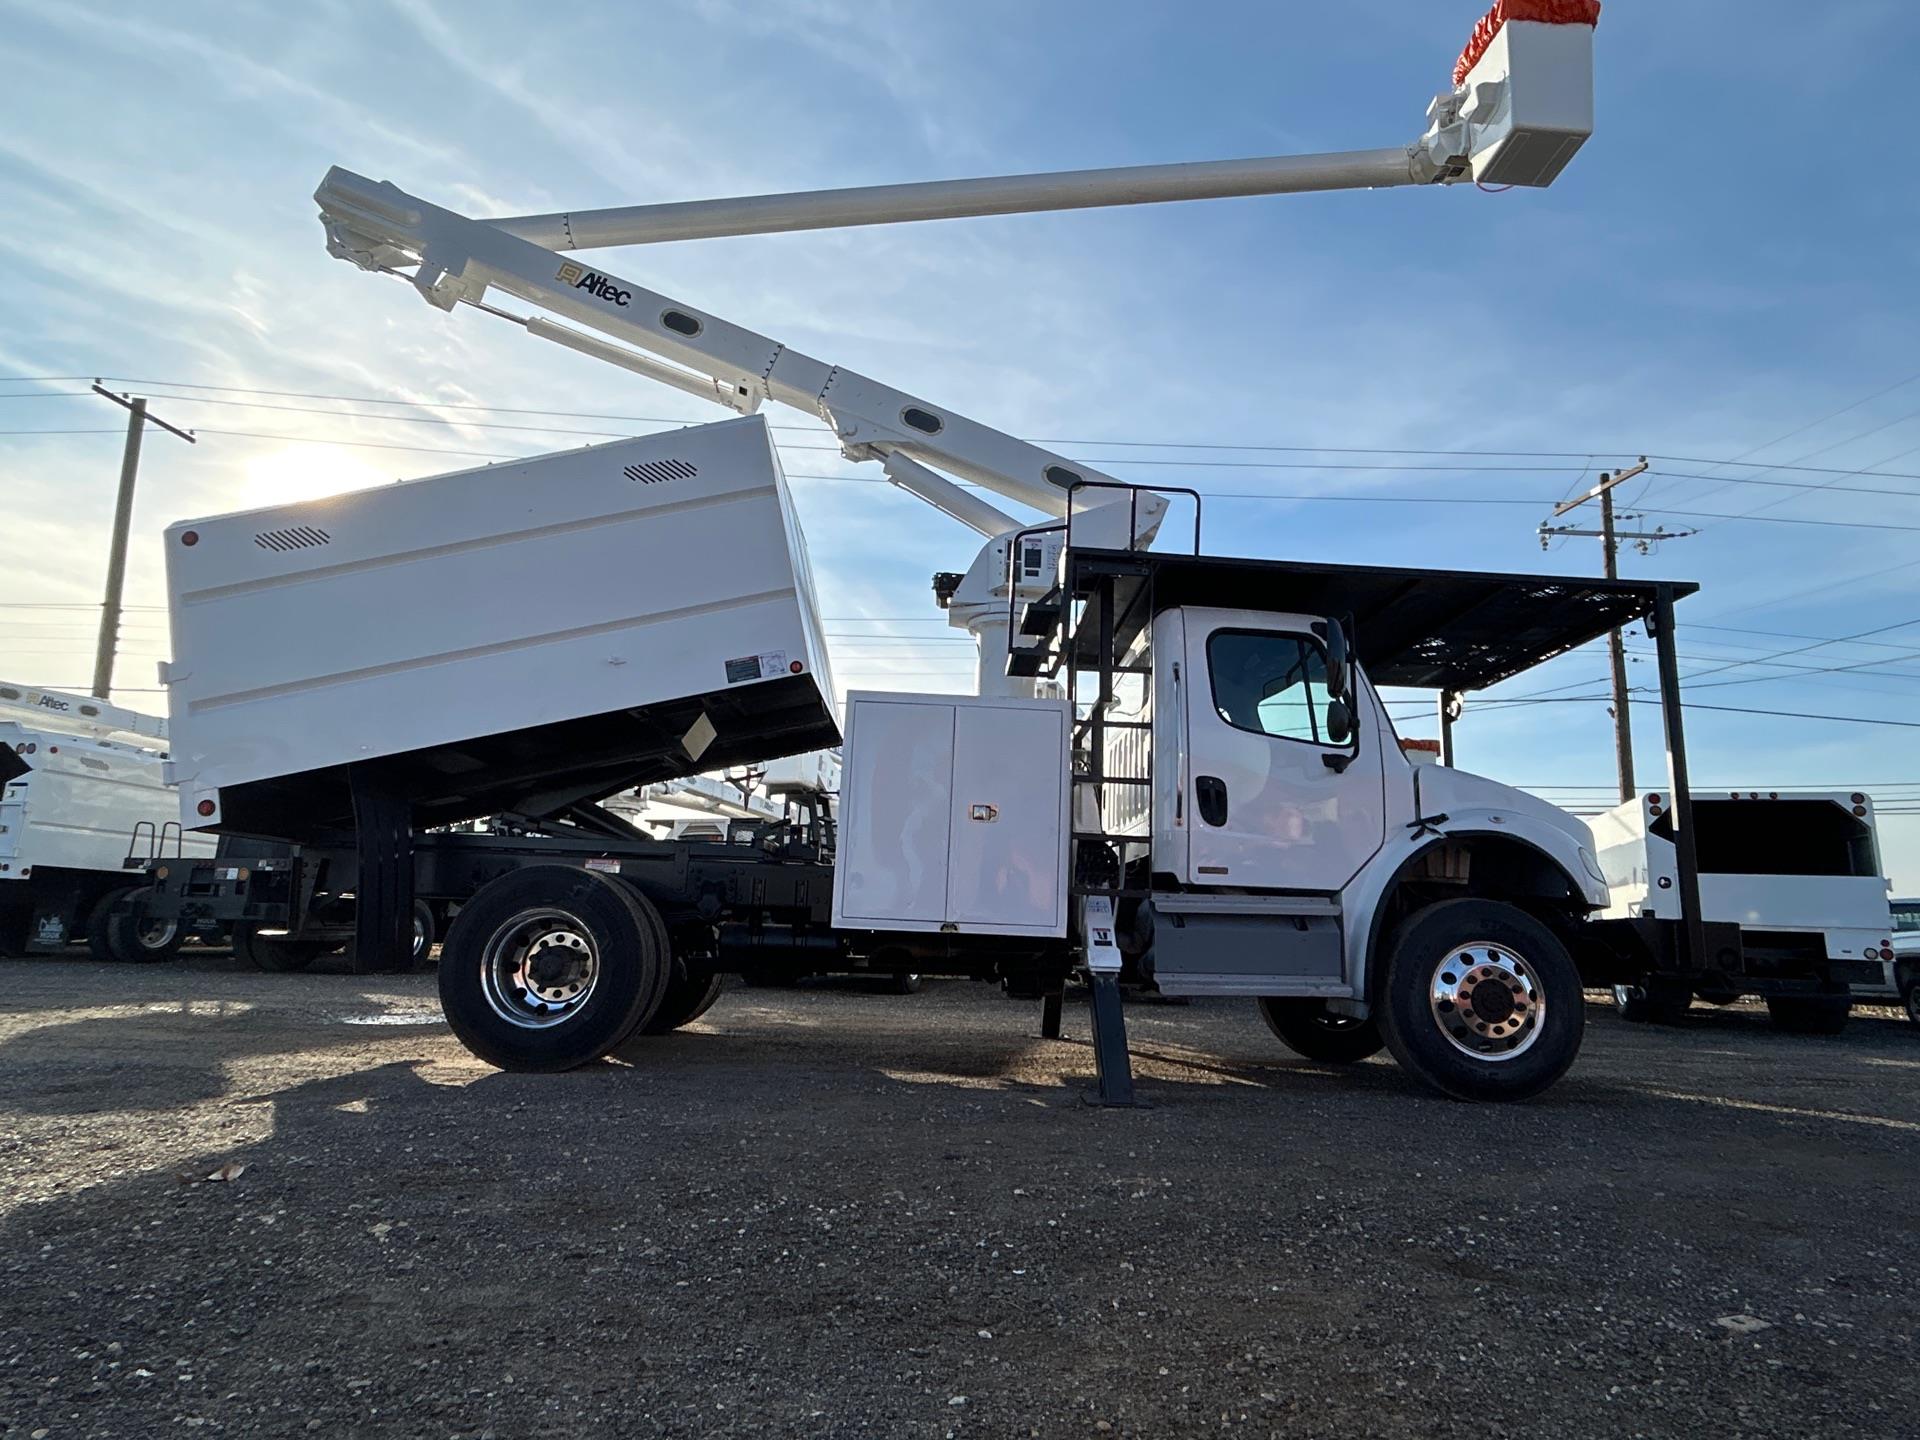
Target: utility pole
137, 421
1610, 539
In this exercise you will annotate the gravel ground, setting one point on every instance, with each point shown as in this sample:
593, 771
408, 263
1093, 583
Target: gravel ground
830, 1212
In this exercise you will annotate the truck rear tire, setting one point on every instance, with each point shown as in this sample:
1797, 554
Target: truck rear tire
1910, 997
1312, 1031
1810, 1014
130, 938
688, 997
424, 934
550, 967
1656, 1000
1481, 1001
277, 953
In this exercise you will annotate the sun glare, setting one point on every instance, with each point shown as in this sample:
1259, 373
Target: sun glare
307, 472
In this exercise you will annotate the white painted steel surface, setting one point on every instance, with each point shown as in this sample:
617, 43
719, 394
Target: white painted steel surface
1850, 912
954, 815
79, 803
1006, 866
1293, 822
1528, 103
955, 199
895, 813
485, 601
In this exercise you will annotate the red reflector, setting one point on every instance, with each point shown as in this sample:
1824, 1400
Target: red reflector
205, 807
795, 668
190, 537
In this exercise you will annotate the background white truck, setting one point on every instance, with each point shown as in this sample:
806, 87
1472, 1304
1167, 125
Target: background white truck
1792, 901
83, 809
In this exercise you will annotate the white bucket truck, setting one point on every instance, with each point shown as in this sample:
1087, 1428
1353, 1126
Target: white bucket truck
1216, 805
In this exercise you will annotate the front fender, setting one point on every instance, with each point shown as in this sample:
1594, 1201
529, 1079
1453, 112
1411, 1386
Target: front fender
1366, 897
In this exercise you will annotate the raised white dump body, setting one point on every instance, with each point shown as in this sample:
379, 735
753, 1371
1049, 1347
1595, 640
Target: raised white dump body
516, 637
1803, 866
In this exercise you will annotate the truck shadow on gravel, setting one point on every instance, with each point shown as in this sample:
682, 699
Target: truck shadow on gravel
164, 1059
744, 1233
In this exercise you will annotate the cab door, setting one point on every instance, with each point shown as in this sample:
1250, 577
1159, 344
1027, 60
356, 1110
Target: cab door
1274, 801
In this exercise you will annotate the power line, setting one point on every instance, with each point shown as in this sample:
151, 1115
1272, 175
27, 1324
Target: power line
1815, 424
1249, 446
1690, 705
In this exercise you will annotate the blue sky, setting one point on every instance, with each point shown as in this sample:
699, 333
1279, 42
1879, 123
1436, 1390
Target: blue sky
1724, 273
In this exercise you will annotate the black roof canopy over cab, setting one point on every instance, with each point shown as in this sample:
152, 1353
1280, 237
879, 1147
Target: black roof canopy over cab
1449, 630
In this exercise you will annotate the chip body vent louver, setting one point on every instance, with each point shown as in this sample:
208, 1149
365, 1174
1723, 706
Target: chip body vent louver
294, 537
658, 472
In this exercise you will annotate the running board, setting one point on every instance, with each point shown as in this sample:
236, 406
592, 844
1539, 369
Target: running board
1189, 902
1194, 984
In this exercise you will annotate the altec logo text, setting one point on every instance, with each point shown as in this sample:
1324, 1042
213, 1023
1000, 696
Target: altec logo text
593, 283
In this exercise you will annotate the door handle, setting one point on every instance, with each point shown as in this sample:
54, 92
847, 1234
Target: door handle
1210, 797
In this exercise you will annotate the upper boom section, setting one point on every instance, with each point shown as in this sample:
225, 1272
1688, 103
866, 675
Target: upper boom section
1521, 108
955, 199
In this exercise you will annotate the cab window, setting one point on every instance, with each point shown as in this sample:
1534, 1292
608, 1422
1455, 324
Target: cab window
1270, 683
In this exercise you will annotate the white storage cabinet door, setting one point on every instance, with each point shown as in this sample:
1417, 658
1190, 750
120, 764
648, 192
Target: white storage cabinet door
1005, 866
893, 844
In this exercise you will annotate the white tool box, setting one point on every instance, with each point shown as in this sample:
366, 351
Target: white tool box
953, 815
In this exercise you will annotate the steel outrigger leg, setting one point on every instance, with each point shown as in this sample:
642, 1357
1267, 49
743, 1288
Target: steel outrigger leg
1050, 1013
1111, 1063
383, 890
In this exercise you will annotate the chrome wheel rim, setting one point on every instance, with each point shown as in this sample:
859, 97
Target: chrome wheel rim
156, 934
1487, 1001
419, 938
540, 969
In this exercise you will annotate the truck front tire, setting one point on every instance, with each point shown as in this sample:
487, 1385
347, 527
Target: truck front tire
1313, 1032
1481, 1001
550, 967
1809, 1014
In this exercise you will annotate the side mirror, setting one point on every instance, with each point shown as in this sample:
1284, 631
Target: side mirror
1339, 721
1339, 665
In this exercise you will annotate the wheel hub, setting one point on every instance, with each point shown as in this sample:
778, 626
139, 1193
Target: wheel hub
156, 934
539, 969
1487, 1001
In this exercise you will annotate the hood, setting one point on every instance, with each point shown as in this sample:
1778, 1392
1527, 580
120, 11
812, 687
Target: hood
1458, 792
